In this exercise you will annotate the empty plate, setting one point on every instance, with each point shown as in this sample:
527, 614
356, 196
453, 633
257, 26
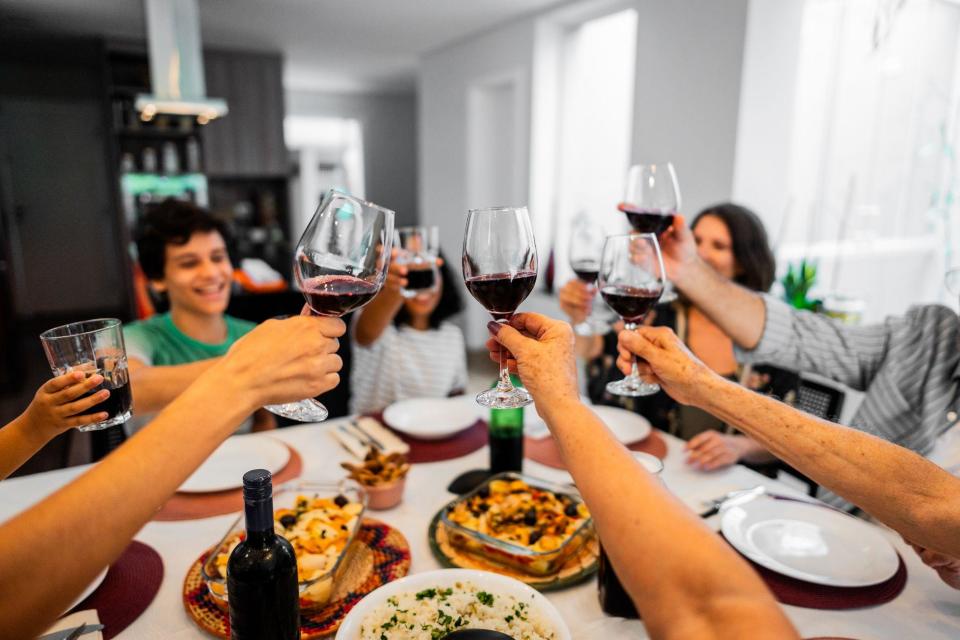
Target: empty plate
627, 426
810, 542
433, 418
225, 467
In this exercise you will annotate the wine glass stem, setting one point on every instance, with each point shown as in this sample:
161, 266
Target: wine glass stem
504, 385
633, 380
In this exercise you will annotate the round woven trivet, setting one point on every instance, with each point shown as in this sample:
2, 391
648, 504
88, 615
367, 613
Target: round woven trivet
381, 555
578, 567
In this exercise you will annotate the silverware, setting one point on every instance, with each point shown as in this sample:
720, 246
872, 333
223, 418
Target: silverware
72, 633
349, 436
365, 436
732, 499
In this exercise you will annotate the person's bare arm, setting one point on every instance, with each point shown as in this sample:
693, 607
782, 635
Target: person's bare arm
903, 490
84, 526
684, 580
154, 387
739, 312
374, 318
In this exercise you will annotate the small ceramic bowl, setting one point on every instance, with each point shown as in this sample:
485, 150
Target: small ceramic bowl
385, 496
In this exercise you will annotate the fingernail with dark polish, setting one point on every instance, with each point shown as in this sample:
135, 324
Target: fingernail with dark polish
494, 327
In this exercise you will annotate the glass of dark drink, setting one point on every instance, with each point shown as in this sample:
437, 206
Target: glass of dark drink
418, 249
586, 246
614, 599
651, 200
340, 264
500, 269
94, 346
631, 283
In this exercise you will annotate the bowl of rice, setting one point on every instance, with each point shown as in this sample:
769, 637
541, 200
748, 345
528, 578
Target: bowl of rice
428, 606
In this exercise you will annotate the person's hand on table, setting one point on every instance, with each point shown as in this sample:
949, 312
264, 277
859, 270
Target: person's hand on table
286, 360
947, 567
57, 403
713, 450
663, 359
540, 350
576, 300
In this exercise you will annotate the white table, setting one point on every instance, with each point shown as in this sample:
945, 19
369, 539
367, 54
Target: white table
926, 608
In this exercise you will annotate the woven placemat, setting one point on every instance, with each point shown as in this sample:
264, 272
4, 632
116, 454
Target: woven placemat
192, 506
579, 567
545, 450
380, 555
129, 587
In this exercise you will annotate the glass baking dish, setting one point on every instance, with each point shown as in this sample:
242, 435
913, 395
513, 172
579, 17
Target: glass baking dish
316, 591
514, 554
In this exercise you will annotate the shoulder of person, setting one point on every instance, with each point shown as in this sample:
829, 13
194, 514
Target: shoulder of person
237, 326
925, 321
144, 329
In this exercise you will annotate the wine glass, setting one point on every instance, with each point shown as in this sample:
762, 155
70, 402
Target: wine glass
340, 264
500, 269
586, 246
652, 199
631, 283
418, 249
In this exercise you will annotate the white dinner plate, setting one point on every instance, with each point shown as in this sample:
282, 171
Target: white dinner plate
90, 589
627, 426
810, 542
433, 418
225, 467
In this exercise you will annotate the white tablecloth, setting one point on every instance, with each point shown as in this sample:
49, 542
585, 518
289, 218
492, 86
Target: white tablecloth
926, 608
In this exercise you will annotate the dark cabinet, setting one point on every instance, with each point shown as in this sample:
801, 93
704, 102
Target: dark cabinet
248, 142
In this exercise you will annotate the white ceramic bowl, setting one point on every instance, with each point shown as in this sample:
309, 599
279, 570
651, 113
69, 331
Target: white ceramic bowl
484, 580
432, 418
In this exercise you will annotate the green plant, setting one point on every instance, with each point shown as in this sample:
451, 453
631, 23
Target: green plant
797, 283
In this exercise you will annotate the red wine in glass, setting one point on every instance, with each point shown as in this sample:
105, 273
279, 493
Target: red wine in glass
631, 303
116, 404
419, 279
647, 220
336, 295
587, 271
501, 293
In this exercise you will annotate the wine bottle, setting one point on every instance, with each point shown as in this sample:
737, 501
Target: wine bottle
262, 588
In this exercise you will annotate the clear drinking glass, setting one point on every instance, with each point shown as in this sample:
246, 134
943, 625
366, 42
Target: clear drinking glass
652, 199
500, 269
586, 246
340, 264
631, 283
94, 346
418, 249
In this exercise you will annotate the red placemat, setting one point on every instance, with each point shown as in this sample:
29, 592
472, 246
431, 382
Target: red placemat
460, 444
545, 450
127, 590
191, 506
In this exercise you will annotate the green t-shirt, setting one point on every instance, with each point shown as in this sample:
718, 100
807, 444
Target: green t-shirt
156, 341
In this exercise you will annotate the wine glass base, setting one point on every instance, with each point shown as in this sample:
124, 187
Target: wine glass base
120, 418
308, 410
592, 327
513, 399
625, 388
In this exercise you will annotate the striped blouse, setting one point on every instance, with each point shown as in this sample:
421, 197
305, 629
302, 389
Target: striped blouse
908, 366
407, 363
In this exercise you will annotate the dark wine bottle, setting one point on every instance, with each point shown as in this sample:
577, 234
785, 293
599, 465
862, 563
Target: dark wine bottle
262, 571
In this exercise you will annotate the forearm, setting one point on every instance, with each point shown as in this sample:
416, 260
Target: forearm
895, 485
19, 440
155, 387
739, 312
673, 566
87, 524
376, 317
588, 347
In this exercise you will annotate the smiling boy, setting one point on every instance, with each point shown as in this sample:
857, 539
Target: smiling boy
183, 253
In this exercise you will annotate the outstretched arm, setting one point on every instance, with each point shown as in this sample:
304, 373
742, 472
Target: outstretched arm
154, 387
684, 580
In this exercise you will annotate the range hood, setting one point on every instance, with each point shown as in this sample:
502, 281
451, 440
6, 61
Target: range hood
176, 64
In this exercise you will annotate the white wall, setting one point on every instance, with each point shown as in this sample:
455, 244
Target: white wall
389, 124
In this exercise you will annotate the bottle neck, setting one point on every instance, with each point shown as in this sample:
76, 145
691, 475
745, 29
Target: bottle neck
259, 516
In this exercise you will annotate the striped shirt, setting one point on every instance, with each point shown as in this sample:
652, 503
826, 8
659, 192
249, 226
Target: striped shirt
407, 363
908, 366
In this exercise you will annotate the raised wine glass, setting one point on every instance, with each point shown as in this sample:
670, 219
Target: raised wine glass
340, 264
500, 269
586, 246
651, 200
631, 283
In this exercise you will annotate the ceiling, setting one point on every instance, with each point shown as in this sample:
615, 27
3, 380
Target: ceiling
328, 45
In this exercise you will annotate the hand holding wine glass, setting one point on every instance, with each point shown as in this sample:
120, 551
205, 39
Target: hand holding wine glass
631, 283
586, 245
500, 269
340, 264
651, 202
